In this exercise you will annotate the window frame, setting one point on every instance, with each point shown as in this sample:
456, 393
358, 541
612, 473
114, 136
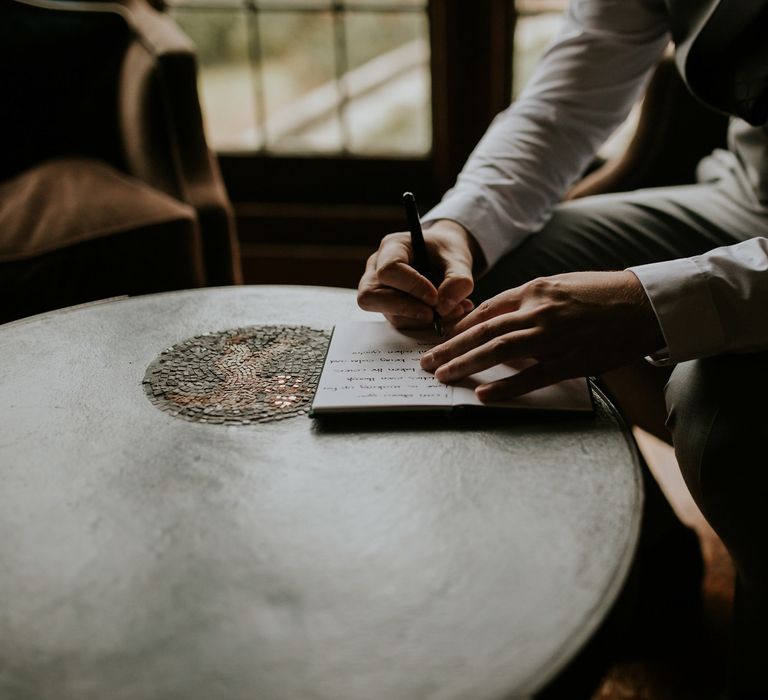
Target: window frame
300, 217
471, 54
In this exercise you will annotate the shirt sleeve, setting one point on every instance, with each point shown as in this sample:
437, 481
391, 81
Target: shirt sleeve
710, 304
580, 92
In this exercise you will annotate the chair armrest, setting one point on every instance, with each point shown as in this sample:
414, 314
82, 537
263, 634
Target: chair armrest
159, 104
156, 30
163, 133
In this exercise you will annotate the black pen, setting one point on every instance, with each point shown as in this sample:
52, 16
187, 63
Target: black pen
420, 257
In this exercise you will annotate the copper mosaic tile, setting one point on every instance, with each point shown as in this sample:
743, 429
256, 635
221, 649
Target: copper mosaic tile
239, 376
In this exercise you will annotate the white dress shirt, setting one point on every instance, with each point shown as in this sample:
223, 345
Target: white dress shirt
581, 91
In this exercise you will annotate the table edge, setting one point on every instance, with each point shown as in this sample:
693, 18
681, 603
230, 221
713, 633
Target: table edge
570, 649
175, 292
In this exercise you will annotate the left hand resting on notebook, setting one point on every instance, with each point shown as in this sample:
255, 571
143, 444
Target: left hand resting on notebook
571, 325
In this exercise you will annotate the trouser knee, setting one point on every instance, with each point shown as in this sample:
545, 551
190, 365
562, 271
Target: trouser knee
551, 251
718, 418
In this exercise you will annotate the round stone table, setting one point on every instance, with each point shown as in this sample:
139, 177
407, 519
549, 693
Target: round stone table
146, 557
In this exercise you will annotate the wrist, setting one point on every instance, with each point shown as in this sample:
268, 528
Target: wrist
454, 230
653, 335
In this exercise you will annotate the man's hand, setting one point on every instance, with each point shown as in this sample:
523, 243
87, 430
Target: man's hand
571, 325
405, 297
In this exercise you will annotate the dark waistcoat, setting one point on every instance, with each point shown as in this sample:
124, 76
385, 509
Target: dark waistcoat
722, 53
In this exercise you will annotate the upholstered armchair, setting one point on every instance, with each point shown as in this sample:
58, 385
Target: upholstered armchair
107, 186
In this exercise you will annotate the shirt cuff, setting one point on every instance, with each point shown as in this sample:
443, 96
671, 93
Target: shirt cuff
681, 299
475, 213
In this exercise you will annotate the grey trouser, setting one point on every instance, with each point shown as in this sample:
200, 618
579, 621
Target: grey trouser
717, 407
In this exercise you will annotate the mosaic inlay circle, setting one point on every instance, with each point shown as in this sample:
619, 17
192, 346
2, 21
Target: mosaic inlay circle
239, 376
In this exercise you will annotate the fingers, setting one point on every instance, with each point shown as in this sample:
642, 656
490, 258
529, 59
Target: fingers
535, 377
405, 323
368, 282
372, 296
393, 269
457, 282
495, 339
394, 303
463, 308
503, 303
499, 350
453, 361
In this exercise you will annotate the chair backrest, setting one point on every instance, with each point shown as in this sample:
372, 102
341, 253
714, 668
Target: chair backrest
59, 76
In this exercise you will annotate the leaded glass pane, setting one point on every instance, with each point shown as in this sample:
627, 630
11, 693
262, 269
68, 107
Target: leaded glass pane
300, 87
313, 76
228, 94
388, 83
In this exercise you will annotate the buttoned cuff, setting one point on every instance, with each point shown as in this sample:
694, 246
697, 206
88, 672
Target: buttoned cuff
681, 299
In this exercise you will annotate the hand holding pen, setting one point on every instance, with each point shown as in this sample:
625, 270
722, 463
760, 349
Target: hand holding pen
394, 285
420, 255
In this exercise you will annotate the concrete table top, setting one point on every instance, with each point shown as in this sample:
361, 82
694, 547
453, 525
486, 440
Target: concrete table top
144, 557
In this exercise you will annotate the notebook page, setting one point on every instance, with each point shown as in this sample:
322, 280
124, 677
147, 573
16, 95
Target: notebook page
373, 365
570, 395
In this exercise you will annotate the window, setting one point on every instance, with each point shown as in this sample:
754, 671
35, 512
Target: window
537, 23
312, 76
324, 112
536, 26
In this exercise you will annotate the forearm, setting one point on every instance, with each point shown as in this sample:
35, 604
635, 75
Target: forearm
582, 89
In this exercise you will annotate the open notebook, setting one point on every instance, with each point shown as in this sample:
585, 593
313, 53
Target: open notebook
371, 366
